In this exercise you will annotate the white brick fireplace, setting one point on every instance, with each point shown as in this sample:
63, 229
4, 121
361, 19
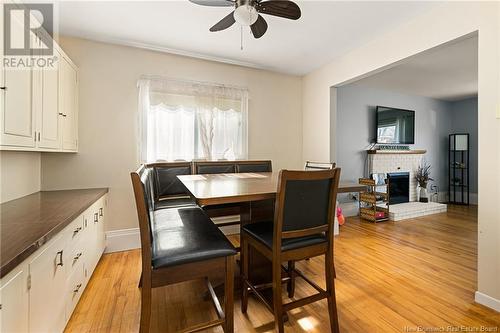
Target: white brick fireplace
396, 161
380, 161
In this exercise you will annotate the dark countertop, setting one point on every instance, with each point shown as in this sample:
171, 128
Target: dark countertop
29, 222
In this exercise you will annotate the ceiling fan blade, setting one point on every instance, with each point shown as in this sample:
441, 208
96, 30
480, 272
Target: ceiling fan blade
259, 28
282, 8
225, 23
214, 3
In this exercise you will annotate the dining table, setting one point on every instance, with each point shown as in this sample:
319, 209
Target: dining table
227, 188
254, 193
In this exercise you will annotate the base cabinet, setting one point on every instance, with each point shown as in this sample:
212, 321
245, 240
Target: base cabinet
40, 295
14, 301
46, 293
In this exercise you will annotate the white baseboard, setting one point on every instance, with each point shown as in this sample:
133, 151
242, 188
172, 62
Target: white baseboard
122, 240
488, 301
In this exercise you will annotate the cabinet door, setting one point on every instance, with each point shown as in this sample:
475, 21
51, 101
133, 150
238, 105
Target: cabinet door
101, 237
92, 217
68, 104
49, 129
14, 301
47, 292
17, 123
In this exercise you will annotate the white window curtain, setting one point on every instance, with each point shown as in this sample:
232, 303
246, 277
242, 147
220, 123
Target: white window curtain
184, 120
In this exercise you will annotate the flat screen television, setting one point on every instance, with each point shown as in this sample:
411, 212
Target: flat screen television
395, 126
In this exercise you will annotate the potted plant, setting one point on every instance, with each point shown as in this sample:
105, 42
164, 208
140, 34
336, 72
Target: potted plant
423, 176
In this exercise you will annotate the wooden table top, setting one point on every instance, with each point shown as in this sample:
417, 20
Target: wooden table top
29, 222
222, 188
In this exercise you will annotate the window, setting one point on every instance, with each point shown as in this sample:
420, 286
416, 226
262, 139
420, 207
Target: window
190, 120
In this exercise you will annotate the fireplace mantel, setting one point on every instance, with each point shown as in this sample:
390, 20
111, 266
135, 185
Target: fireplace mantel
416, 151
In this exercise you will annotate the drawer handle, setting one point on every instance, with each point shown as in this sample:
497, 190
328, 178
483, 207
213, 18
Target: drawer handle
77, 230
77, 256
96, 218
60, 254
77, 289
100, 211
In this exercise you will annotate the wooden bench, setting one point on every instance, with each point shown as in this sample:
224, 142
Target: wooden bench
169, 191
180, 244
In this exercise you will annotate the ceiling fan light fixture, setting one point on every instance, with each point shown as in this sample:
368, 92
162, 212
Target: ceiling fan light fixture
246, 15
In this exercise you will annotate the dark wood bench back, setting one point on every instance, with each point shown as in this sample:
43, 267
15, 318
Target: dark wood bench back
165, 181
143, 192
254, 166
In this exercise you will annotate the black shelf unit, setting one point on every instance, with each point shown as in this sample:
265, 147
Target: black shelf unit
458, 166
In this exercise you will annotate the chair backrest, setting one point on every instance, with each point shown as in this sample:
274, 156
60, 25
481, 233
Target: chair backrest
305, 204
214, 167
254, 166
143, 192
315, 166
166, 183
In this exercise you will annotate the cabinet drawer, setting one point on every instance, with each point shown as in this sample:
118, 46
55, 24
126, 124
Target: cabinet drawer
74, 288
75, 255
74, 232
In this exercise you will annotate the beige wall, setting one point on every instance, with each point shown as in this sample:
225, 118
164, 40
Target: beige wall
447, 22
19, 174
108, 118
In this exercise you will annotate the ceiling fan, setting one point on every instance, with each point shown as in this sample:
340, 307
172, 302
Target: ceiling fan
247, 13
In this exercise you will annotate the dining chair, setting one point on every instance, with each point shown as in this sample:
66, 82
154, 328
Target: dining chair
302, 228
254, 166
314, 166
177, 245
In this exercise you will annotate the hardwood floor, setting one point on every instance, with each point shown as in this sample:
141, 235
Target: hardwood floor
391, 277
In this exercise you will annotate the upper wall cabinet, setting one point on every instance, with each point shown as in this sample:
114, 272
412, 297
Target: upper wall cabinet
68, 103
39, 104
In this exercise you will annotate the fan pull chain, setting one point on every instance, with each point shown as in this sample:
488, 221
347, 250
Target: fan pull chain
241, 38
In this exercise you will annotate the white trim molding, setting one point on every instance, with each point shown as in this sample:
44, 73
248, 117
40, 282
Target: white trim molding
122, 240
488, 301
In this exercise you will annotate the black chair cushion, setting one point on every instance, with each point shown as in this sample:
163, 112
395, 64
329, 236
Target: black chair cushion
174, 202
186, 235
216, 168
167, 182
263, 232
264, 167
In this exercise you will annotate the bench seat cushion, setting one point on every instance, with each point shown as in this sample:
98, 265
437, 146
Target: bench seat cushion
263, 232
186, 235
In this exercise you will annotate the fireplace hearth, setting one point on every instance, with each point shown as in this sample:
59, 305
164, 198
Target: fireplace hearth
399, 187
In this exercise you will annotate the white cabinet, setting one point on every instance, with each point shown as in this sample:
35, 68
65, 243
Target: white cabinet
68, 103
38, 106
17, 114
14, 301
49, 128
40, 295
95, 220
46, 295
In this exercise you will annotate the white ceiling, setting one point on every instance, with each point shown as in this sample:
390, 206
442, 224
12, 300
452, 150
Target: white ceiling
448, 73
325, 31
